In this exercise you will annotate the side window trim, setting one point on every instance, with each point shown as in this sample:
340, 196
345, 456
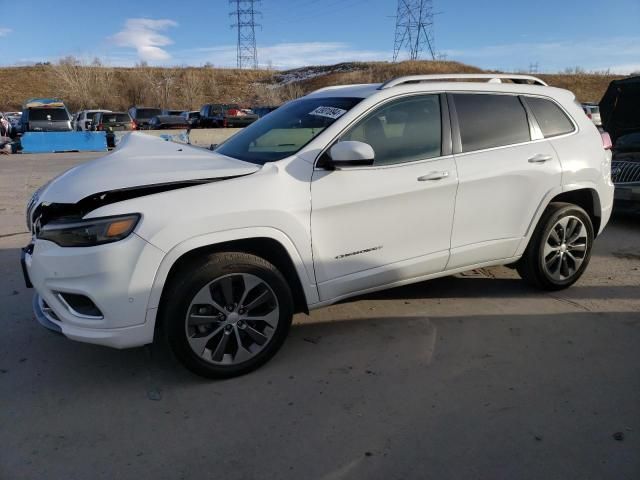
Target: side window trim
446, 144
534, 127
456, 139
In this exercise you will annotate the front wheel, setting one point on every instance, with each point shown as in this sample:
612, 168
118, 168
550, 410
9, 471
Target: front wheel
227, 315
560, 248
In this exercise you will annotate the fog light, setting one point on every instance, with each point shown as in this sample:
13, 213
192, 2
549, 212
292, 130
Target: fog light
80, 305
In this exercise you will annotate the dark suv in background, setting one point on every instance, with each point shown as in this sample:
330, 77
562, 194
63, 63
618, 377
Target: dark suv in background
45, 115
142, 115
220, 115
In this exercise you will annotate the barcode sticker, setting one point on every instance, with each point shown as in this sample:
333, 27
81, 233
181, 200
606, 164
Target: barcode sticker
329, 112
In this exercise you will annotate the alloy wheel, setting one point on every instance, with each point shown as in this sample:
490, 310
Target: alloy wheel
565, 248
232, 319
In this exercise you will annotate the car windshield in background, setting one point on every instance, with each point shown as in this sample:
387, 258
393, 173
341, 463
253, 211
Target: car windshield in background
286, 130
115, 118
47, 114
92, 115
148, 112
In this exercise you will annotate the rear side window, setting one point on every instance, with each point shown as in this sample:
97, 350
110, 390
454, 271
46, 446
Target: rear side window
402, 131
488, 121
551, 119
50, 114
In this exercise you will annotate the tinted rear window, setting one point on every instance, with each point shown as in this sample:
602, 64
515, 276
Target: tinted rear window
44, 114
148, 112
488, 121
552, 120
115, 118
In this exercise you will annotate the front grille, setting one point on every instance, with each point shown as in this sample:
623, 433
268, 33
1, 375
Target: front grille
625, 172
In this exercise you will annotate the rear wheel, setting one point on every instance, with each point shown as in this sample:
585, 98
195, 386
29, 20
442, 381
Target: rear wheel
560, 248
227, 315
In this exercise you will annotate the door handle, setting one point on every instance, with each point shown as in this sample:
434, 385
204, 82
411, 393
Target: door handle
433, 176
540, 158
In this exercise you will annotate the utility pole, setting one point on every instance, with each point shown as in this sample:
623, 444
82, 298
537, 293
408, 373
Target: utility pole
533, 67
244, 14
414, 28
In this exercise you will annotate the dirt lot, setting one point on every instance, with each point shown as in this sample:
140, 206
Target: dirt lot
472, 376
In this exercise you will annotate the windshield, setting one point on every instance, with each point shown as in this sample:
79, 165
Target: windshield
286, 130
50, 114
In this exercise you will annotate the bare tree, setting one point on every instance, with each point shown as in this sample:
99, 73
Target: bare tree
191, 88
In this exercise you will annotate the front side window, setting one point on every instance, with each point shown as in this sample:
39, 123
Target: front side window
551, 119
488, 121
402, 131
286, 130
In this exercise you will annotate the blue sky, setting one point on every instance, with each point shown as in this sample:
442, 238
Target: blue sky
508, 35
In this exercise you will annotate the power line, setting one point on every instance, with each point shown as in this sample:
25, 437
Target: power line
244, 14
414, 28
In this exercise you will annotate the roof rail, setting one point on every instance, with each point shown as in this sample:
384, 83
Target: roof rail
490, 77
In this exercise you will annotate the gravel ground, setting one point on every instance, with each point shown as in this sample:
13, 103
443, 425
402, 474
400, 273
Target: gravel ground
470, 376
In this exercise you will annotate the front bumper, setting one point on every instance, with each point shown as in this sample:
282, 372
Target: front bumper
116, 277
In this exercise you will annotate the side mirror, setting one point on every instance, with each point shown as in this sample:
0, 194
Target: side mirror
350, 154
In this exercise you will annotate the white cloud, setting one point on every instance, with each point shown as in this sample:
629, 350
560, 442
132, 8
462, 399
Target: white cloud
4, 31
286, 55
144, 35
618, 54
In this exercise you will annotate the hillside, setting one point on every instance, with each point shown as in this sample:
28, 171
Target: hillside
189, 87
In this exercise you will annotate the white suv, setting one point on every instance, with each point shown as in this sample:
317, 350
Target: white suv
83, 120
347, 190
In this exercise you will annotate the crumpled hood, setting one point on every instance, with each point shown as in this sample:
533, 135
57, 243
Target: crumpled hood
142, 160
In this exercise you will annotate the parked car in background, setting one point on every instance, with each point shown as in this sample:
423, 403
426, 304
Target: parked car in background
218, 115
5, 126
620, 111
164, 122
83, 120
193, 117
262, 111
45, 115
14, 120
345, 191
592, 110
142, 115
112, 122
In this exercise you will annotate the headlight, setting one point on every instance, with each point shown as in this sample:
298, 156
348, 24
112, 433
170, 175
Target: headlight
90, 232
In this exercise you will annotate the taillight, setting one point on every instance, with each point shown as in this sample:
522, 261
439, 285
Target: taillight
606, 141
99, 127
133, 125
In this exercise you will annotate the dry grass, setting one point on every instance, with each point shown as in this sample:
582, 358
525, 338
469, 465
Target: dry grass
91, 86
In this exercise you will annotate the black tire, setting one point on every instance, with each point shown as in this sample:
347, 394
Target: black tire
196, 275
531, 266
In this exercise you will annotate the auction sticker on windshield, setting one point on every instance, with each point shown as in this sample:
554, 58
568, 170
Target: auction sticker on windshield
329, 112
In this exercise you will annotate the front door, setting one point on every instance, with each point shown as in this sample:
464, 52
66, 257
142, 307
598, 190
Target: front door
389, 222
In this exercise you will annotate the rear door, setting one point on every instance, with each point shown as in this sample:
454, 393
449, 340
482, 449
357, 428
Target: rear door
505, 171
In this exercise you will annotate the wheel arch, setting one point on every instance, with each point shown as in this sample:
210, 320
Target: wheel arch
271, 245
586, 198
